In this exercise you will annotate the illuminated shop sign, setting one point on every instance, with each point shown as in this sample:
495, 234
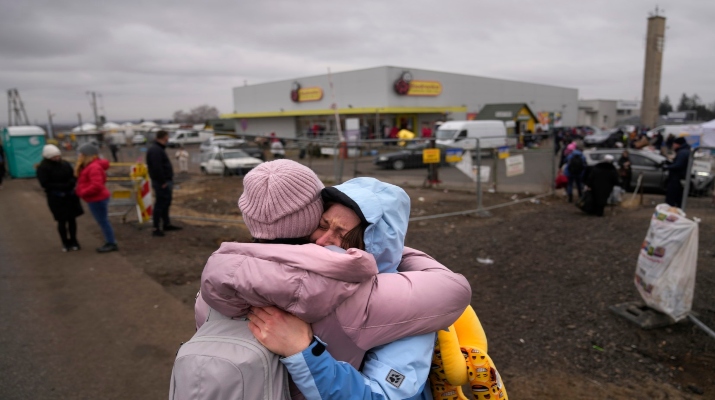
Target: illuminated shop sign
406, 86
298, 94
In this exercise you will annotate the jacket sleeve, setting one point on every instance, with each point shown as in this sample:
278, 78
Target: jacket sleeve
232, 283
397, 370
95, 183
423, 297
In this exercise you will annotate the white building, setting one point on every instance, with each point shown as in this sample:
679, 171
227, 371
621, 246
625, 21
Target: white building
608, 114
384, 97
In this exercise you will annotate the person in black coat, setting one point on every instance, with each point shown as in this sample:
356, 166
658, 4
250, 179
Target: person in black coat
601, 179
677, 171
162, 175
56, 176
625, 171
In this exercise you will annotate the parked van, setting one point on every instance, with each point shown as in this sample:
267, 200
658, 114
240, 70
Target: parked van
188, 136
463, 134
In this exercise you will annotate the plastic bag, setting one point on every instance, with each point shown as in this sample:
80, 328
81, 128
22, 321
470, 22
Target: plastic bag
665, 275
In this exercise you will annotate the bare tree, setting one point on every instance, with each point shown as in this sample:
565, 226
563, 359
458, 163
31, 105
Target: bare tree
198, 114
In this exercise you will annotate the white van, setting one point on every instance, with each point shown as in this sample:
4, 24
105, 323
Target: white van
491, 134
188, 136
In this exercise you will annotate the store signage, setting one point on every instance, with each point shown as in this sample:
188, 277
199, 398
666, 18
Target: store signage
299, 94
405, 86
503, 152
514, 165
503, 114
453, 155
430, 156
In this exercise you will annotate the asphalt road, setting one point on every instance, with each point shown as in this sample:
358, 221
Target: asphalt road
78, 325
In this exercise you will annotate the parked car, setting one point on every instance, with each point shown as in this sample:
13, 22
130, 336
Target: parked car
213, 142
139, 139
228, 162
607, 139
650, 165
409, 157
187, 136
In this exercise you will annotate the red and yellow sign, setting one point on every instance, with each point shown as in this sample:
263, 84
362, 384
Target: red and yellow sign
424, 88
310, 94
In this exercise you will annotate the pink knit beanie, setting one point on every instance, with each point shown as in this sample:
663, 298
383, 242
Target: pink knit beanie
281, 199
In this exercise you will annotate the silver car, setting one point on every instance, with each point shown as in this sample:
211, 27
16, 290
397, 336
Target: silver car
650, 165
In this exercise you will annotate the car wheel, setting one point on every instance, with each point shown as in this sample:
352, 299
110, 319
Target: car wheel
398, 165
203, 171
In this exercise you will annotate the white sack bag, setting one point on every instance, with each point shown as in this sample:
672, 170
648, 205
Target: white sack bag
665, 275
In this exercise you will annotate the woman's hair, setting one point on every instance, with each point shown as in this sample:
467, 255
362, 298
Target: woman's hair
79, 166
355, 238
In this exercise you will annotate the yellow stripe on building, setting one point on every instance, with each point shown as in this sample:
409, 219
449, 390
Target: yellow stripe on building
348, 111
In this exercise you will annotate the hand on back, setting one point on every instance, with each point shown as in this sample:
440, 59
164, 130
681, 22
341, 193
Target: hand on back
281, 332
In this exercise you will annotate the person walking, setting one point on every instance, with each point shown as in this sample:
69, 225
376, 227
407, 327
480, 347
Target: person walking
56, 176
162, 175
677, 172
91, 179
625, 171
183, 157
277, 149
114, 149
575, 169
600, 180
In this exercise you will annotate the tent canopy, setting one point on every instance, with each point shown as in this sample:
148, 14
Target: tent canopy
85, 127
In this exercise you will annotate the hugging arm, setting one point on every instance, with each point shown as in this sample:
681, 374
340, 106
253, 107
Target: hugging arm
302, 280
425, 296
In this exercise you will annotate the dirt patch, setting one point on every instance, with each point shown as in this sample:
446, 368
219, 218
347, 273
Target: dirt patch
543, 301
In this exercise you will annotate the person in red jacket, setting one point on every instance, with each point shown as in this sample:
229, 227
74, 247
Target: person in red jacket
91, 177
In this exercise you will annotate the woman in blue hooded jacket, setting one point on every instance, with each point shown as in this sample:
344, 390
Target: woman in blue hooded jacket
397, 370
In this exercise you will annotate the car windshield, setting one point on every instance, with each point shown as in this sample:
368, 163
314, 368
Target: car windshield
234, 154
446, 134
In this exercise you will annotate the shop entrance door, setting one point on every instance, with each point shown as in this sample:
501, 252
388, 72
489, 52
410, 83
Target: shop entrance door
406, 121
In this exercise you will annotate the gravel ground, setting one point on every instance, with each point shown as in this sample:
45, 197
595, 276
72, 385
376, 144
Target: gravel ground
543, 300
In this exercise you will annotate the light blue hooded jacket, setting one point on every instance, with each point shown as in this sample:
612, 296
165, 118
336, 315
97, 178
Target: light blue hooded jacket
397, 370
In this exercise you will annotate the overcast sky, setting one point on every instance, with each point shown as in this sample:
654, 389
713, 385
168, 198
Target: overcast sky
151, 58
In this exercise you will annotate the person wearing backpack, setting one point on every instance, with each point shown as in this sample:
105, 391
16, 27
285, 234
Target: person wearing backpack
575, 170
233, 280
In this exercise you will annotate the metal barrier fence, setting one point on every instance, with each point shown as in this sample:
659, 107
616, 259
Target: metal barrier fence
507, 167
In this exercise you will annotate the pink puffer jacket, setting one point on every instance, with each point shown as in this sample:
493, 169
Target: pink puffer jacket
351, 307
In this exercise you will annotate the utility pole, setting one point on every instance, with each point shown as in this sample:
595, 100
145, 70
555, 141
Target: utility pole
16, 108
93, 103
50, 130
79, 116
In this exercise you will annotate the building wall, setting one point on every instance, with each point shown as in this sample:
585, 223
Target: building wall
598, 113
373, 88
282, 126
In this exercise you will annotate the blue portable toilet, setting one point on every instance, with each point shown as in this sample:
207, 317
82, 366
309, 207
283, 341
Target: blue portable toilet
23, 149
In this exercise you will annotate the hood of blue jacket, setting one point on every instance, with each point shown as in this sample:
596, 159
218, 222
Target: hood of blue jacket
386, 209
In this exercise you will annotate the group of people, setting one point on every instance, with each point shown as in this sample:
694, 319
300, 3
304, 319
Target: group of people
65, 185
330, 287
601, 178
